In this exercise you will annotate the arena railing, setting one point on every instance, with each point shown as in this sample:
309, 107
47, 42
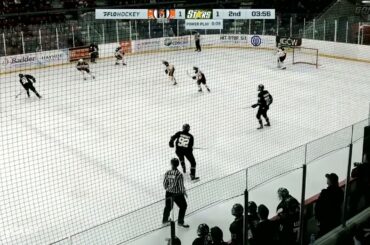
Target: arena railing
86, 30
301, 170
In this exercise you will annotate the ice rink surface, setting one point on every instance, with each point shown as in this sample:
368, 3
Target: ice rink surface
92, 150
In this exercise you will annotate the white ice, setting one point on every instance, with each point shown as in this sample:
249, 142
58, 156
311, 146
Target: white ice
90, 151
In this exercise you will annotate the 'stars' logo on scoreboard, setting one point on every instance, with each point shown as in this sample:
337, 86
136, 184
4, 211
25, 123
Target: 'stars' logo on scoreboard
198, 14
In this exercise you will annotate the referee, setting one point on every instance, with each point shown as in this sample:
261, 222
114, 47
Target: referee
174, 185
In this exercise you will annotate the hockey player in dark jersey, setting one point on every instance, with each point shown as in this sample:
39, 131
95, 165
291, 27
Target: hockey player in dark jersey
83, 67
201, 79
184, 148
119, 54
27, 82
170, 70
94, 52
264, 101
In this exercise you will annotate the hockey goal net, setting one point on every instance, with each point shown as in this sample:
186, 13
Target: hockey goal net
302, 55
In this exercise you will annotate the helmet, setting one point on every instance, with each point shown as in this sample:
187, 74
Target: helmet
283, 193
237, 210
195, 69
165, 63
186, 127
252, 207
175, 162
80, 60
20, 75
261, 87
203, 230
217, 234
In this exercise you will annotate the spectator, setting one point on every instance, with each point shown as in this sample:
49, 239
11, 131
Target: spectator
217, 236
362, 172
362, 234
176, 241
266, 230
328, 206
203, 235
236, 227
288, 217
175, 191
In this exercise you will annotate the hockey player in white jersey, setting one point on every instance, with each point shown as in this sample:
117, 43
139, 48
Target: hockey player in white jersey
119, 54
170, 70
83, 67
281, 56
201, 79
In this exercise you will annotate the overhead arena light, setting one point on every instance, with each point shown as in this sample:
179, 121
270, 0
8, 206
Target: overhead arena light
365, 1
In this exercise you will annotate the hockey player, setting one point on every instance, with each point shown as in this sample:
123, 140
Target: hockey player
119, 54
197, 42
264, 101
170, 70
94, 52
184, 148
281, 54
27, 82
201, 79
83, 67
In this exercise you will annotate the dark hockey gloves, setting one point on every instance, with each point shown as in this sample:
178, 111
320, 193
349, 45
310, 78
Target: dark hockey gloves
171, 145
254, 106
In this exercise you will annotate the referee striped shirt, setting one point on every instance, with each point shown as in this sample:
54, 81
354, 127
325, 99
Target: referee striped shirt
174, 182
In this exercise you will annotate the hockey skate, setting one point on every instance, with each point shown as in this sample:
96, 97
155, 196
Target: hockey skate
123, 64
260, 127
208, 90
183, 225
175, 83
166, 223
200, 90
194, 179
268, 124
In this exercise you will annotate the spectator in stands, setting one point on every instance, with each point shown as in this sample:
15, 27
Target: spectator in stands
236, 227
361, 171
329, 204
266, 230
362, 233
288, 217
217, 236
176, 241
203, 235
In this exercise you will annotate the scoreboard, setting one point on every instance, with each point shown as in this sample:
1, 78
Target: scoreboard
186, 14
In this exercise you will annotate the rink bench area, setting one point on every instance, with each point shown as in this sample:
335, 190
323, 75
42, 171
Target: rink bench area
31, 61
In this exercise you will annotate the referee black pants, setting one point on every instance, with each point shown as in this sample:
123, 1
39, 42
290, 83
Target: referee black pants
180, 201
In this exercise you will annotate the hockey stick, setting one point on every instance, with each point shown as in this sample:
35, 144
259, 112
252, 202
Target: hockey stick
19, 94
199, 148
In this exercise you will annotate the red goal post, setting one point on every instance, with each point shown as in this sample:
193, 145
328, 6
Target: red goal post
303, 55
